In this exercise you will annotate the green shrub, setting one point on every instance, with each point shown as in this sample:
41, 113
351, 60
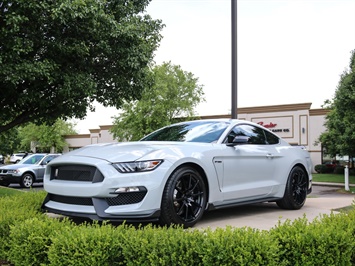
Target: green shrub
320, 168
325, 241
238, 246
14, 209
124, 245
30, 239
339, 169
163, 246
88, 244
323, 169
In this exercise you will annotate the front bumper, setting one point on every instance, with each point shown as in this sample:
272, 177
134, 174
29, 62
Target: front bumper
100, 198
10, 179
97, 212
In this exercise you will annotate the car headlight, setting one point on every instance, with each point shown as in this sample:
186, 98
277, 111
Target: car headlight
133, 167
15, 171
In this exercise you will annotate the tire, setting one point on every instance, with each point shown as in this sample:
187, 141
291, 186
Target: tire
295, 191
184, 198
27, 180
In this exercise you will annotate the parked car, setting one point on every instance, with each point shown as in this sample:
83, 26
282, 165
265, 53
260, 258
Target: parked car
177, 173
29, 170
16, 157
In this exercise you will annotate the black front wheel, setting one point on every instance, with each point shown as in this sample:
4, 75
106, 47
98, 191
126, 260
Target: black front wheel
184, 198
295, 191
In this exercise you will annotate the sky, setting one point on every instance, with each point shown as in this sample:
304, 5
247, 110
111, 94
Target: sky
288, 51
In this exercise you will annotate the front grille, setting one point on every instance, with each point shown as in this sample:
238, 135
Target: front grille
121, 199
3, 171
82, 173
71, 200
126, 198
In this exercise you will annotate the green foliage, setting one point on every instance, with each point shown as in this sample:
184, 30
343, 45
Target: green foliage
326, 241
89, 245
15, 209
162, 246
45, 136
339, 139
31, 239
238, 246
9, 141
333, 178
57, 57
173, 94
9, 191
321, 168
339, 170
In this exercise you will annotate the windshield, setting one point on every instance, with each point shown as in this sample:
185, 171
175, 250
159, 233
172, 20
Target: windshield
32, 159
194, 131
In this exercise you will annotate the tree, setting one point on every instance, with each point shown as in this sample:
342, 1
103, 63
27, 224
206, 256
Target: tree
57, 57
45, 136
9, 141
339, 139
173, 94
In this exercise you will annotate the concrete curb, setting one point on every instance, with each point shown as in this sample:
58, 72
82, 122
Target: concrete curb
329, 184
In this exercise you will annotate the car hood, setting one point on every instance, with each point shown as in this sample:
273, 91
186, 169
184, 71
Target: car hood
16, 166
131, 151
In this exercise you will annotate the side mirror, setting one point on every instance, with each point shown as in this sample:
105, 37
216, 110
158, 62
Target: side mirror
239, 140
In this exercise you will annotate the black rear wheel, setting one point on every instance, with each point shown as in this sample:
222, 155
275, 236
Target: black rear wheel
295, 191
184, 198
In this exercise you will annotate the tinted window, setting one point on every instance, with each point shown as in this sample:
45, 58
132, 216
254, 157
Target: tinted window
195, 131
33, 159
271, 138
255, 134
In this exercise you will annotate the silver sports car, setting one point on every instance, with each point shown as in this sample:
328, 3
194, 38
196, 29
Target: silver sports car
178, 172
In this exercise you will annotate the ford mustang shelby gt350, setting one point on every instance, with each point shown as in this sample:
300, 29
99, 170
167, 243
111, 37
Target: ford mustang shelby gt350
176, 173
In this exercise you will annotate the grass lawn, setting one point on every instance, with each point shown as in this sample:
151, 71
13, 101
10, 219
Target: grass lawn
332, 178
4, 191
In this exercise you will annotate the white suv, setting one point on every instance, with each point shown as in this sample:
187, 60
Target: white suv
16, 157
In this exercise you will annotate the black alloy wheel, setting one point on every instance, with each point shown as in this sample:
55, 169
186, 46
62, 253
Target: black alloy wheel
184, 198
296, 190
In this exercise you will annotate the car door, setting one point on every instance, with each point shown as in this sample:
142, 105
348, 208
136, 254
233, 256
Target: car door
248, 168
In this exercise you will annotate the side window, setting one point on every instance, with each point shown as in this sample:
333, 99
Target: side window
271, 138
256, 135
48, 159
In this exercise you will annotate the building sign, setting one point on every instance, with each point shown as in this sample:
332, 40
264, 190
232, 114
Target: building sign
282, 126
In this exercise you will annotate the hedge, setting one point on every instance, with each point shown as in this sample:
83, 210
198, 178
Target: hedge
15, 209
29, 237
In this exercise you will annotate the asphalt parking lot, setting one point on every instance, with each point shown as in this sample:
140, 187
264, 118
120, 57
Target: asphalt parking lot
264, 216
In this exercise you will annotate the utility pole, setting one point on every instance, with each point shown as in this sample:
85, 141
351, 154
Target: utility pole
234, 110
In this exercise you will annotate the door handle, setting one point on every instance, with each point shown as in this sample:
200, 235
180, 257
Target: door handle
269, 156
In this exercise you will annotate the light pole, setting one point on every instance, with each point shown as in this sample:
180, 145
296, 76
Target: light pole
234, 110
